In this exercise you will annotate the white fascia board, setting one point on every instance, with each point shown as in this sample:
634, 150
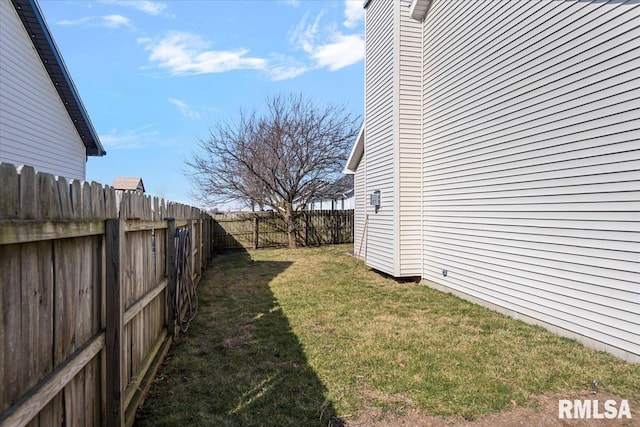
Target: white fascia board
356, 153
419, 8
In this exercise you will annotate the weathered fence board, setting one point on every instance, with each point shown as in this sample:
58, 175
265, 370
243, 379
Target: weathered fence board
32, 403
81, 335
16, 231
114, 238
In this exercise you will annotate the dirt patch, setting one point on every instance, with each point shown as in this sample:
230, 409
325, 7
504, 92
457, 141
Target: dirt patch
543, 412
374, 397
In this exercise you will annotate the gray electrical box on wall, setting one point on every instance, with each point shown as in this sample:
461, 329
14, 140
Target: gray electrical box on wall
374, 200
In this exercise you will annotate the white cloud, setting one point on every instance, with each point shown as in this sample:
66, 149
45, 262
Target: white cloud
146, 6
185, 109
150, 7
342, 52
285, 70
328, 47
325, 46
115, 21
107, 21
78, 21
303, 35
184, 53
129, 139
353, 12
278, 73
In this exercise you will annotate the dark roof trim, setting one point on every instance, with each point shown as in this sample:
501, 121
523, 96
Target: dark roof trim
33, 21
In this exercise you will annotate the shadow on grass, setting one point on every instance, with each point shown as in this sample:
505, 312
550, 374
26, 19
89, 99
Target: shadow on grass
240, 364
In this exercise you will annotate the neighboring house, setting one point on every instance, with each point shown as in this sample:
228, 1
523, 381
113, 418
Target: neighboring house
338, 196
500, 158
128, 184
42, 120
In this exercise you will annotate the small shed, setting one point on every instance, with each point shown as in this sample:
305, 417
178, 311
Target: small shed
123, 183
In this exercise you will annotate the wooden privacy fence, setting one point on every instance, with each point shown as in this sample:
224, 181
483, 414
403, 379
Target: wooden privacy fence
266, 229
87, 290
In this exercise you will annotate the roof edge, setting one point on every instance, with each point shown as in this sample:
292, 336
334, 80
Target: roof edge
29, 11
357, 151
419, 9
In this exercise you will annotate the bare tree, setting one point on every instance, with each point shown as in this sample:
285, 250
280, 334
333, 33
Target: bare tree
279, 159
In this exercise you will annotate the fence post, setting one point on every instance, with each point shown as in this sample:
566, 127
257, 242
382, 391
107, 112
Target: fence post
255, 232
114, 244
352, 226
201, 240
171, 276
211, 238
192, 252
306, 228
215, 226
205, 241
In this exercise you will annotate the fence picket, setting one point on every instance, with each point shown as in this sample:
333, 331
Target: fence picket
75, 192
9, 192
65, 201
29, 208
57, 281
11, 367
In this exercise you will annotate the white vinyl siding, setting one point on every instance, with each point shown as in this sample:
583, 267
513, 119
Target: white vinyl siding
359, 215
393, 73
331, 204
531, 128
35, 128
409, 143
381, 240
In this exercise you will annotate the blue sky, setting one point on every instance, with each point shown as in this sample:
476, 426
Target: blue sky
155, 76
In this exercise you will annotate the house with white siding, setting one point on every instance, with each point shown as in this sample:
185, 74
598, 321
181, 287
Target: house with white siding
43, 122
335, 196
500, 158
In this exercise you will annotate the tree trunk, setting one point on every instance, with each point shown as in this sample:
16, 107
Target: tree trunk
291, 230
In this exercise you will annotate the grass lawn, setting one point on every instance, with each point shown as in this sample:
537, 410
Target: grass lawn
312, 337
